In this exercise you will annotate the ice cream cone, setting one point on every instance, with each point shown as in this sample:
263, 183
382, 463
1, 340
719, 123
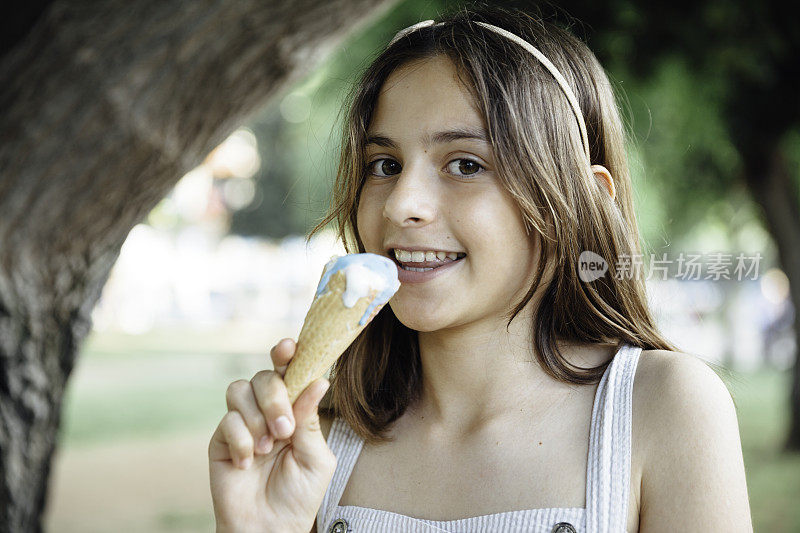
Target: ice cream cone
331, 326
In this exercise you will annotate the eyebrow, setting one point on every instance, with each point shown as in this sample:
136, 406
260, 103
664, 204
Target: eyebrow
439, 137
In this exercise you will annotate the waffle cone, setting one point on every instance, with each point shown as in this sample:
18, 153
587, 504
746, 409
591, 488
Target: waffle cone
329, 328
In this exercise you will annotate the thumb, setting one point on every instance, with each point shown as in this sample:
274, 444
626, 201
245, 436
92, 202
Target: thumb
308, 442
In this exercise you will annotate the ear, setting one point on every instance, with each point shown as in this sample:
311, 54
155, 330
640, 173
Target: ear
602, 173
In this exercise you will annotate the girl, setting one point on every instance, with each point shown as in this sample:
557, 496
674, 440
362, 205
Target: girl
506, 387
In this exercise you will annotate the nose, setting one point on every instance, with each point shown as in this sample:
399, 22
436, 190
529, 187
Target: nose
412, 201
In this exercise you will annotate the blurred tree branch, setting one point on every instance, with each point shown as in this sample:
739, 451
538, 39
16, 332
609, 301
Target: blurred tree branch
105, 105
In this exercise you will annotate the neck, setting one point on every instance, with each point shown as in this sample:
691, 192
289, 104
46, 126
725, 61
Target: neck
476, 374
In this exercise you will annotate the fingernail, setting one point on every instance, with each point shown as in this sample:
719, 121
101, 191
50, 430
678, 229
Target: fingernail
283, 428
263, 445
246, 462
281, 369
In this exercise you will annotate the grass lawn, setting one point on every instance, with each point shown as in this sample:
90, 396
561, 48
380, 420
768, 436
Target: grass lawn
129, 388
773, 477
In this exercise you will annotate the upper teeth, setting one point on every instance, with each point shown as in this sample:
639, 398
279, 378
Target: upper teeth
406, 256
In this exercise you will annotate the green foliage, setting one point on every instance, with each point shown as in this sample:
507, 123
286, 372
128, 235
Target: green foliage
686, 168
269, 214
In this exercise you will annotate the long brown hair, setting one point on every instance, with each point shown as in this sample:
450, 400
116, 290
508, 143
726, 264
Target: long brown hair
539, 156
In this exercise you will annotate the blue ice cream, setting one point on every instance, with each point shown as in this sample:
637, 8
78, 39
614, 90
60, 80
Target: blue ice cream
365, 273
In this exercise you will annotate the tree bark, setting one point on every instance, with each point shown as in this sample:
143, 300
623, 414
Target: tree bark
104, 105
769, 178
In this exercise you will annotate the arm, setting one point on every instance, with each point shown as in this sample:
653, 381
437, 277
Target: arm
693, 476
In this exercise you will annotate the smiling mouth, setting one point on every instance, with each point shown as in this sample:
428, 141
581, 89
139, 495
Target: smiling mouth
419, 261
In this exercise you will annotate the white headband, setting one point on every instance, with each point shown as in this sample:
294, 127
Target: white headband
542, 59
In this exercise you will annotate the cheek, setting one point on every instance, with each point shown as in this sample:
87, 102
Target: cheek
367, 221
497, 233
486, 224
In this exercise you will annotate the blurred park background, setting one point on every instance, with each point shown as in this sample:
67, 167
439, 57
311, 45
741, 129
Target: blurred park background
219, 271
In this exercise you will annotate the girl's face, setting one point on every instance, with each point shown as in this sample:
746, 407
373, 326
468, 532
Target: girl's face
429, 189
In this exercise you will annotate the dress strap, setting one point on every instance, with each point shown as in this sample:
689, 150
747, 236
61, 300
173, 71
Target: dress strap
346, 446
609, 462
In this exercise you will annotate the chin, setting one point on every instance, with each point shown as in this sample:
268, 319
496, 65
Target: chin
422, 320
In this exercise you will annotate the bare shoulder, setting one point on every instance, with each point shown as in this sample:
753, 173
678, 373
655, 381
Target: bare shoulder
692, 471
680, 378
679, 396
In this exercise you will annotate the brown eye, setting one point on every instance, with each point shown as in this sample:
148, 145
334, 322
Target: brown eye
389, 167
466, 167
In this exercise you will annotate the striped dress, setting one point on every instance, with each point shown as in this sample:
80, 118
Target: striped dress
607, 476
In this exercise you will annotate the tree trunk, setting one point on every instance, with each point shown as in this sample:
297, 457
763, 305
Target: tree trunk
768, 177
104, 105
